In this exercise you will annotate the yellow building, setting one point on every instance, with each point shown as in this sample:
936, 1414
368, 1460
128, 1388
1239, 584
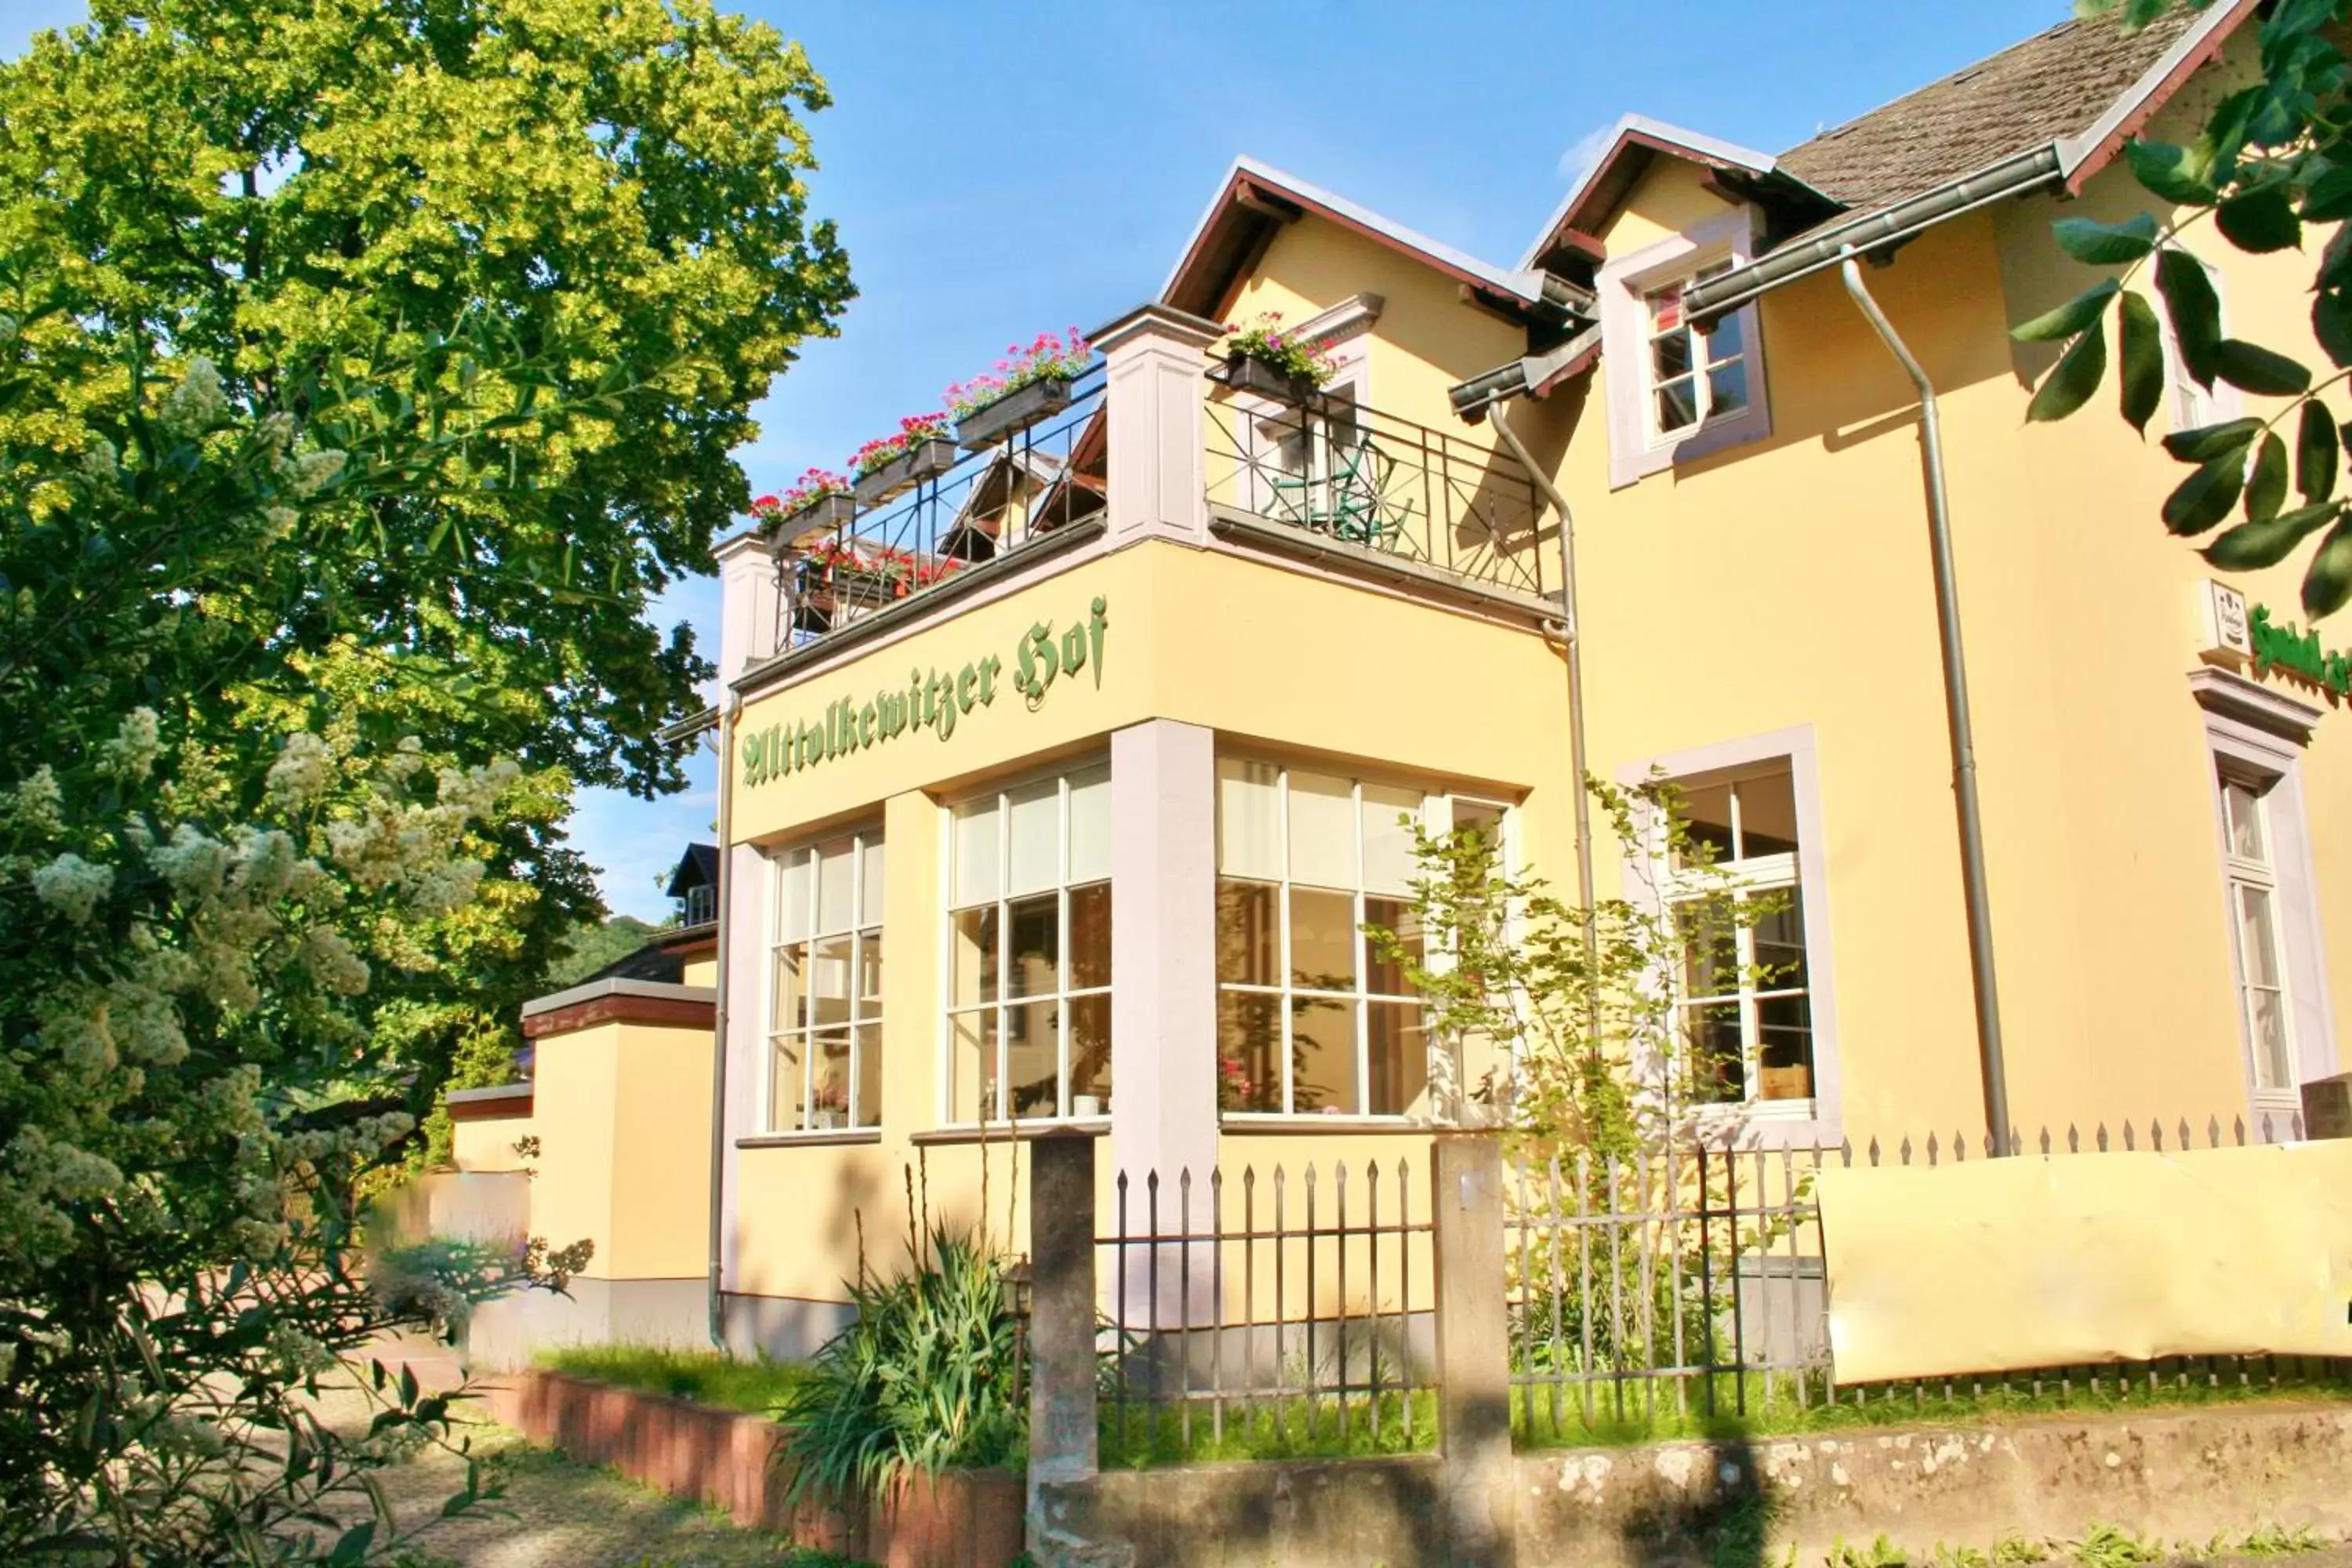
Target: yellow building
1059, 779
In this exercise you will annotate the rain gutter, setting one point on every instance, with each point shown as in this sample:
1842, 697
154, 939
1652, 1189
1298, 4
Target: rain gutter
717, 1310
1827, 247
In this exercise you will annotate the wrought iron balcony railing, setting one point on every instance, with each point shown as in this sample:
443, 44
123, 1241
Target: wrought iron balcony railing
988, 503
1372, 483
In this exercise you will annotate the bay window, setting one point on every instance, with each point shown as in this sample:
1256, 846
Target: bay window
824, 986
1310, 1018
1029, 952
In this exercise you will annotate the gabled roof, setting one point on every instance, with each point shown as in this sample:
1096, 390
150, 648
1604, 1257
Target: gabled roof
1635, 140
2052, 88
1254, 202
698, 867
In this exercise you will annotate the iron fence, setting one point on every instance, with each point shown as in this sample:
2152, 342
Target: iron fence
1359, 477
1688, 1284
986, 505
1282, 1313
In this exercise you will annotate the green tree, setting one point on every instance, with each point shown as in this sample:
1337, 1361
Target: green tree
2271, 160
298, 188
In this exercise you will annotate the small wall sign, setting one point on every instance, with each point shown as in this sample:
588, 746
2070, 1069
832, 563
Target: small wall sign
933, 699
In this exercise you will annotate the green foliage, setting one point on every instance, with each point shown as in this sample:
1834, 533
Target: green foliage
441, 1280
708, 1377
298, 188
592, 946
927, 1375
1602, 1062
2112, 1546
2270, 159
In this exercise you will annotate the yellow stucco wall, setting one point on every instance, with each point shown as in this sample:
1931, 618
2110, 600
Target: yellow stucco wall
1787, 583
1204, 636
623, 1114
699, 971
488, 1145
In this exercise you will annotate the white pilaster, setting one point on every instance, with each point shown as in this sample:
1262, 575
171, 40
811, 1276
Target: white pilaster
747, 607
1164, 995
1153, 376
743, 927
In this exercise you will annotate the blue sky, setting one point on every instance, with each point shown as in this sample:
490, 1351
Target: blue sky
1001, 169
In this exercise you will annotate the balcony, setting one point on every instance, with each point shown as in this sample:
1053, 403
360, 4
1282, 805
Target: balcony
1359, 484
991, 504
1295, 472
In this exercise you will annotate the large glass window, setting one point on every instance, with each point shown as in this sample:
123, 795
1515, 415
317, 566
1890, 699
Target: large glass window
1029, 952
824, 987
2254, 914
1743, 1003
1310, 1018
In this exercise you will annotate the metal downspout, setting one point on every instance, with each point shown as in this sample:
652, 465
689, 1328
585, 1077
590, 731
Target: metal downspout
1956, 703
1575, 639
716, 1309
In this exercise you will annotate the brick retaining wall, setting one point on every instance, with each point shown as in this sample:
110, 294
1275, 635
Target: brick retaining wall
725, 1458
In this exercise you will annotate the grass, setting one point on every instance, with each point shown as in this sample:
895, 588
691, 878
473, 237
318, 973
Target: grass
2101, 1546
1535, 1426
706, 1377
1291, 1428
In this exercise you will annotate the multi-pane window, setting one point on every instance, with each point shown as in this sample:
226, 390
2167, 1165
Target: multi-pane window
1694, 376
824, 998
1310, 1018
1029, 952
2254, 913
1743, 1004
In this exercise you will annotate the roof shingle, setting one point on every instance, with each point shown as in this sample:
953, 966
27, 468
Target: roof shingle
2052, 85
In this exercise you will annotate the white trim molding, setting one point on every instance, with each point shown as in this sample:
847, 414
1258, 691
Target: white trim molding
1623, 282
1820, 1122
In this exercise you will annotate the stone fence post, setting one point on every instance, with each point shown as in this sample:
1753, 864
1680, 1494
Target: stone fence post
1473, 1361
1061, 1313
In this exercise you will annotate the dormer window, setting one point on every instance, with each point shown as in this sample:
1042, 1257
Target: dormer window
1695, 375
1676, 393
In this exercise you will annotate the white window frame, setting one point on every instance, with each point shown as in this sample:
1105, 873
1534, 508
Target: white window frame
2258, 736
1789, 1123
2257, 874
772, 1031
1741, 879
2192, 406
1005, 1002
1624, 286
1436, 813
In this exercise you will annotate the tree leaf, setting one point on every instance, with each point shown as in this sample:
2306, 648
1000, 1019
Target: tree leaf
2328, 197
2266, 480
2252, 546
2074, 378
2107, 244
2331, 324
2212, 441
352, 1548
2261, 220
2056, 326
2205, 497
2194, 310
2254, 368
2315, 453
2140, 360
2328, 582
2166, 171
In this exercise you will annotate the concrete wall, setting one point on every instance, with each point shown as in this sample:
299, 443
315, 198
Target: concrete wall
2185, 1476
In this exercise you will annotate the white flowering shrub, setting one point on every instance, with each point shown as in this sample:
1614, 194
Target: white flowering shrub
226, 898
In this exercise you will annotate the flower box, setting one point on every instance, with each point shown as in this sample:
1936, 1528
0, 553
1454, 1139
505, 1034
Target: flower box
1015, 411
927, 458
1247, 372
836, 511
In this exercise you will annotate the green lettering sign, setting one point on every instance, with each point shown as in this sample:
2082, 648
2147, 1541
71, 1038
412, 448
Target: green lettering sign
931, 700
2281, 647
